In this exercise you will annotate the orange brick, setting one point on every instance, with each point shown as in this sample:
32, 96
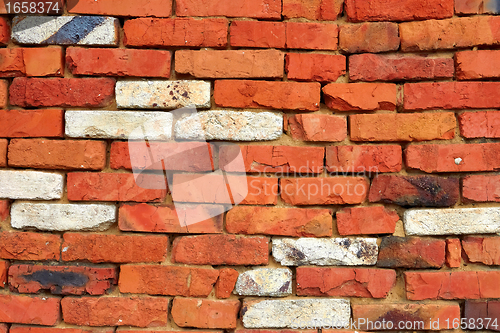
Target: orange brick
4, 267
313, 10
4, 93
317, 127
41, 61
29, 246
32, 123
360, 96
481, 64
481, 188
258, 34
3, 152
264, 9
4, 31
203, 313
155, 8
366, 220
315, 67
226, 282
369, 37
367, 159
453, 252
30, 310
476, 7
313, 36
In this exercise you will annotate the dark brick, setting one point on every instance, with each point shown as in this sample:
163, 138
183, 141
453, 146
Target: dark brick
411, 252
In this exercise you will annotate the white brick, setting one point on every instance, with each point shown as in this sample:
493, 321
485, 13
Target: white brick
33, 185
325, 251
162, 94
301, 313
265, 282
230, 125
62, 217
133, 125
452, 221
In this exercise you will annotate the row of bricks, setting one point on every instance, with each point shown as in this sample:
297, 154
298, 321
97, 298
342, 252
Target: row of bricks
370, 37
355, 10
483, 64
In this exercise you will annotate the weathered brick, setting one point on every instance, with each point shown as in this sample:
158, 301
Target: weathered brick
279, 221
4, 209
155, 8
277, 159
315, 66
32, 62
366, 220
450, 33
403, 127
415, 191
317, 127
167, 280
274, 282
482, 249
313, 36
345, 282
481, 188
360, 96
231, 250
4, 31
4, 92
268, 94
361, 158
453, 252
230, 63
116, 311
453, 158
57, 154
397, 10
84, 186
99, 248
38, 329
3, 152
63, 92
411, 252
477, 7
88, 30
30, 310
29, 246
32, 123
118, 62
30, 185
452, 285
264, 9
324, 190
482, 64
313, 10
374, 67
148, 218
4, 268
204, 313
480, 124
369, 37
226, 282
62, 280
154, 32
258, 34
402, 316
476, 312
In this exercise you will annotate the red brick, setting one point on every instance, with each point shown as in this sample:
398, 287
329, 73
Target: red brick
4, 209
482, 64
3, 152
366, 220
398, 10
29, 310
29, 246
480, 124
230, 63
324, 190
57, 154
61, 280
4, 267
264, 9
63, 92
453, 158
411, 252
115, 311
476, 7
258, 34
37, 329
98, 248
118, 62
315, 66
361, 158
313, 10
221, 189
179, 156
155, 8
374, 67
4, 93
32, 123
452, 285
401, 316
226, 282
476, 312
481, 188
40, 61
278, 159
203, 313
312, 36
152, 32
369, 37
451, 33
402, 127
167, 280
453, 252
83, 186
482, 249
291, 222
360, 96
231, 250
4, 31
415, 191
317, 127
268, 94
171, 219
4, 328
345, 282
451, 95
